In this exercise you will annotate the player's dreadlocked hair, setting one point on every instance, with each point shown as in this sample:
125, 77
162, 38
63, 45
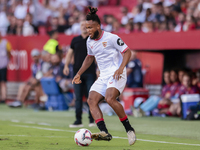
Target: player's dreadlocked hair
92, 15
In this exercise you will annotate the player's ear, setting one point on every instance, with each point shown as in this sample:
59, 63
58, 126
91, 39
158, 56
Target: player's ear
98, 26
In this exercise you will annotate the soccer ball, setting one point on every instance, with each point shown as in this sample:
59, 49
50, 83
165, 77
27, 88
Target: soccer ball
83, 137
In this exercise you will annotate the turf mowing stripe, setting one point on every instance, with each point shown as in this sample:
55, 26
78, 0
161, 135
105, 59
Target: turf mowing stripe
164, 142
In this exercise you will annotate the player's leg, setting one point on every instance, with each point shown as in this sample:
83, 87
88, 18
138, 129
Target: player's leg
93, 101
89, 80
78, 90
111, 95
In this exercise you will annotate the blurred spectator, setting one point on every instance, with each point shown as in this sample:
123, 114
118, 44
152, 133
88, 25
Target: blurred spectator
52, 45
46, 62
186, 88
147, 27
166, 102
20, 10
62, 25
12, 27
33, 83
53, 23
19, 27
28, 27
4, 23
117, 27
126, 15
180, 22
128, 28
149, 15
140, 15
108, 21
152, 102
80, 4
181, 72
5, 49
137, 27
189, 23
134, 72
79, 50
56, 70
75, 28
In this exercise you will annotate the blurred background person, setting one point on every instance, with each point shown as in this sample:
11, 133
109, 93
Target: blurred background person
52, 45
5, 49
134, 72
78, 50
32, 84
152, 102
56, 71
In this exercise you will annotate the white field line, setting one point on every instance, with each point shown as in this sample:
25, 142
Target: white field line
117, 137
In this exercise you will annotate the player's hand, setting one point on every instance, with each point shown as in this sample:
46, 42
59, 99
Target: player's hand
117, 74
76, 79
66, 70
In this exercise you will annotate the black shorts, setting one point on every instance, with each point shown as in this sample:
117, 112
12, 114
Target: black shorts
3, 74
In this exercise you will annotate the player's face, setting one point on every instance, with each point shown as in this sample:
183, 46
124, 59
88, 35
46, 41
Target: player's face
92, 28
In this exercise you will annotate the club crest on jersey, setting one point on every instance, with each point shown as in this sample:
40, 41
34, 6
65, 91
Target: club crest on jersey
104, 44
120, 42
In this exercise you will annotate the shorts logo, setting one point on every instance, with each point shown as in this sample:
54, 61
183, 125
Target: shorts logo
104, 44
110, 82
120, 42
91, 47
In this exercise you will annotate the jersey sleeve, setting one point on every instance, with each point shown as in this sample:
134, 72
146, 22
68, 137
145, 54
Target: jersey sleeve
89, 51
119, 44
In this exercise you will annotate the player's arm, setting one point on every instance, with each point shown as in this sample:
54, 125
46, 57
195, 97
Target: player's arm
86, 64
126, 58
68, 60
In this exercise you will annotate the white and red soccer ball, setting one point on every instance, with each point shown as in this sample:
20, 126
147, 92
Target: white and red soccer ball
83, 137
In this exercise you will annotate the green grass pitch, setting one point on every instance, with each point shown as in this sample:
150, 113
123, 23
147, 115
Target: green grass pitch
26, 129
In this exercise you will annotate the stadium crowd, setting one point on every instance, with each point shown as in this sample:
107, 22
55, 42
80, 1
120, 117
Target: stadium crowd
32, 17
176, 83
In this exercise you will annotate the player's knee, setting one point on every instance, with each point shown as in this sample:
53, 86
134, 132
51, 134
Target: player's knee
109, 100
90, 101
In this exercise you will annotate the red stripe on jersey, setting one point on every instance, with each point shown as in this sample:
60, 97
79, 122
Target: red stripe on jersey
125, 50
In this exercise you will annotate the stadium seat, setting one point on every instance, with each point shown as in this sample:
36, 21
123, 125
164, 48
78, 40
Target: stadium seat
56, 100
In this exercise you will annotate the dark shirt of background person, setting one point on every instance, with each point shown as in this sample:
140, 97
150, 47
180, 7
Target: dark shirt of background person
134, 72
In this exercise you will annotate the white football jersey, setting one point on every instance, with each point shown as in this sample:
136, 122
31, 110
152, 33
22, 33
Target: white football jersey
107, 52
